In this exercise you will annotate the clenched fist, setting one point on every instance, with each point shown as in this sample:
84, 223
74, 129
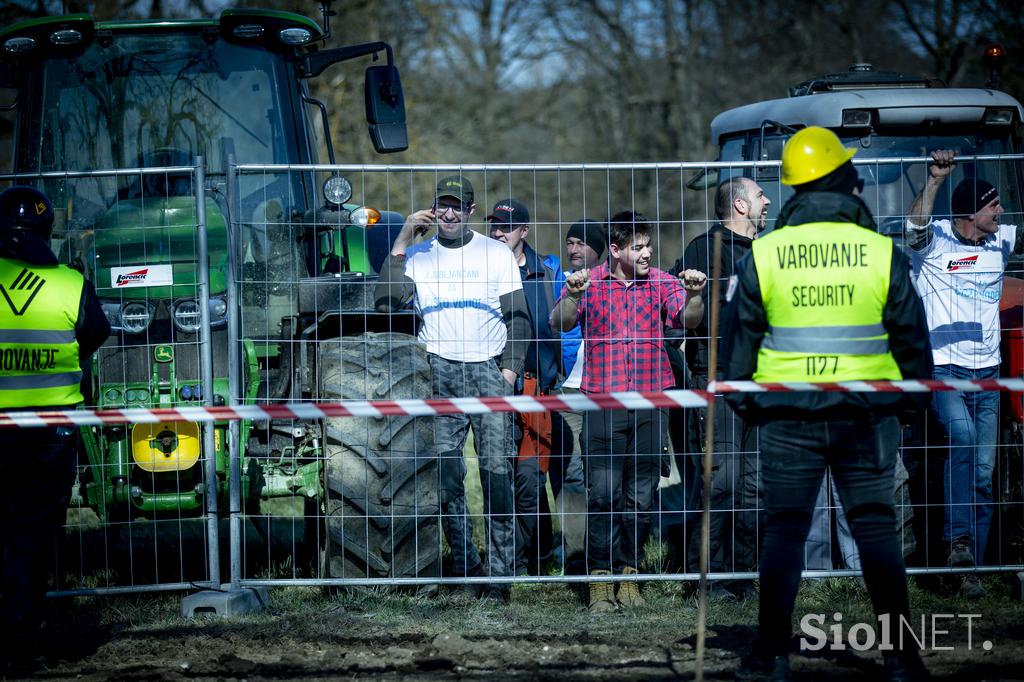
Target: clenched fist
694, 281
942, 163
577, 282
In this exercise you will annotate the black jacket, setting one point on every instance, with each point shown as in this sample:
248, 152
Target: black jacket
544, 350
697, 256
745, 324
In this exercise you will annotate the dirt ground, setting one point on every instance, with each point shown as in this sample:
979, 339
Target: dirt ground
545, 634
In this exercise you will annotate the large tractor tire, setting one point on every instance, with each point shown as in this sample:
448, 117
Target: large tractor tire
381, 473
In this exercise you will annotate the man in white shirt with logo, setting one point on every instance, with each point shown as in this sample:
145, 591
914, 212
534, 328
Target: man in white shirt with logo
958, 269
468, 292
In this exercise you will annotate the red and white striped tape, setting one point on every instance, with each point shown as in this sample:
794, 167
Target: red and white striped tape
902, 386
626, 400
363, 408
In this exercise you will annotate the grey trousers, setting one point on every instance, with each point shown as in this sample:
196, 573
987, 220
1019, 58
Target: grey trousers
495, 448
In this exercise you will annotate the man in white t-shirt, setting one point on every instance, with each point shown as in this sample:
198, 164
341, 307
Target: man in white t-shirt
469, 295
958, 268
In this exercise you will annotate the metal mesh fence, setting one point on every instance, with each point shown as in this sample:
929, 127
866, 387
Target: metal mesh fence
249, 289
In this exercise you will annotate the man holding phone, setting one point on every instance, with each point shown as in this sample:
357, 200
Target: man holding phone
469, 295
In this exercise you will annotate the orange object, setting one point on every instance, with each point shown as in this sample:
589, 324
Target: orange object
536, 427
1011, 319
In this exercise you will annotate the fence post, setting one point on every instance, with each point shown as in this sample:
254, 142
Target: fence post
206, 374
232, 601
234, 378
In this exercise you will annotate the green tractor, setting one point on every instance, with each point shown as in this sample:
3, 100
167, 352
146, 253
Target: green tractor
291, 271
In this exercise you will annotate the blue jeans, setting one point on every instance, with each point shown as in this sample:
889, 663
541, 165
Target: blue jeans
971, 421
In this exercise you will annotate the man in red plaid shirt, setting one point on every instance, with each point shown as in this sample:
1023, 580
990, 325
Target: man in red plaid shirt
623, 307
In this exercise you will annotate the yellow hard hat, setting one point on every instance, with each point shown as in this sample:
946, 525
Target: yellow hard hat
812, 153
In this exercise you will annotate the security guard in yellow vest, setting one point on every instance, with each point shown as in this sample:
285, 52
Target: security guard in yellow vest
825, 298
51, 322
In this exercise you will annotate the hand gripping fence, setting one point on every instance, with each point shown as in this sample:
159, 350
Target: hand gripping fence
624, 400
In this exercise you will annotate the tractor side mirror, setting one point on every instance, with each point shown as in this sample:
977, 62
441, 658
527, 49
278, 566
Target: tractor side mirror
385, 109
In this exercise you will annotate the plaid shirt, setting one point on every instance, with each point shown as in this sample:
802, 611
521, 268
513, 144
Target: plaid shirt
624, 331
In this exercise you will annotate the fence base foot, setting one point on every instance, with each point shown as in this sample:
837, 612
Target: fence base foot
226, 602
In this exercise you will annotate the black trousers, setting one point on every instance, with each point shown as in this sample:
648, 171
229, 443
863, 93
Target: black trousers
735, 485
531, 545
861, 453
37, 467
623, 464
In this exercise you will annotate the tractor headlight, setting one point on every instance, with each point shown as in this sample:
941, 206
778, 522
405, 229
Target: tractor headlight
365, 216
218, 309
68, 36
187, 314
337, 190
998, 117
295, 36
248, 31
132, 318
113, 313
135, 317
857, 118
19, 45
136, 395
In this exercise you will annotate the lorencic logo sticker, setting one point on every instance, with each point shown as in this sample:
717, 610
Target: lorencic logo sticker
962, 264
24, 288
141, 276
973, 262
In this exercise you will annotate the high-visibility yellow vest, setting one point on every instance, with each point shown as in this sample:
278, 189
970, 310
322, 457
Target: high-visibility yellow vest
38, 350
824, 286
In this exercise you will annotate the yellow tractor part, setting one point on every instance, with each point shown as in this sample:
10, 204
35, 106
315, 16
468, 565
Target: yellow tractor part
165, 446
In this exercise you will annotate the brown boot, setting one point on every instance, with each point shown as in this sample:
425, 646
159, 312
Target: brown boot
629, 592
602, 595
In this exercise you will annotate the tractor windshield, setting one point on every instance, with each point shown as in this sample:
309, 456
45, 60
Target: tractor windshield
152, 99
145, 100
116, 105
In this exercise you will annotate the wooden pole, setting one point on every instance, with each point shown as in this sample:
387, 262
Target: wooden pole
709, 446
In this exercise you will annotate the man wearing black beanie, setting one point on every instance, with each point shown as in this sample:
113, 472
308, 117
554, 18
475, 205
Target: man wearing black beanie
958, 268
585, 244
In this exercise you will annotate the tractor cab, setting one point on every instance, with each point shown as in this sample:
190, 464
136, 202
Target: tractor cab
885, 116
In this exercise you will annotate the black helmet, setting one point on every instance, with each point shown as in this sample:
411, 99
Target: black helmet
26, 208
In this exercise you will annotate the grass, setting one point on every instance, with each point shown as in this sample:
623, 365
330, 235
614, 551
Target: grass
545, 633
374, 627
553, 609
546, 610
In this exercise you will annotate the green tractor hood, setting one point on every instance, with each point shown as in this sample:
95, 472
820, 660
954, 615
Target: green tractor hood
149, 249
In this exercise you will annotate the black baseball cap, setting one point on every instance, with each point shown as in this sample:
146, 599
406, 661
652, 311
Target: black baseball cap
511, 212
455, 186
